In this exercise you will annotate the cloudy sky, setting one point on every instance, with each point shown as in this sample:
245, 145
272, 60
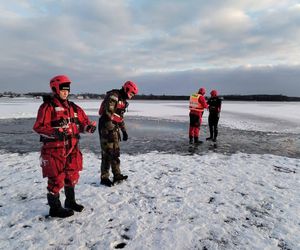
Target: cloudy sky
166, 47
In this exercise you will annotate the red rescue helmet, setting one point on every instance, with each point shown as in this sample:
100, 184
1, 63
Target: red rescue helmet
202, 91
213, 93
60, 82
130, 89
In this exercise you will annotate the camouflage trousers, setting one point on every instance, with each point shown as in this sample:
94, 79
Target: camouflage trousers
110, 152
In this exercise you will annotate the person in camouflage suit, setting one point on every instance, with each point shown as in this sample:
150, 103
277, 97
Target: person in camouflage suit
111, 122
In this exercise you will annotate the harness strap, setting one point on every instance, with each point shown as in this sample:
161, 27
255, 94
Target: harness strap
64, 121
45, 139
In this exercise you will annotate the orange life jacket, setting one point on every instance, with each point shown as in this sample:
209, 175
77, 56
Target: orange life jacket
195, 105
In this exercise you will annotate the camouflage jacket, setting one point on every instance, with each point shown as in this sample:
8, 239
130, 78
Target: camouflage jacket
112, 111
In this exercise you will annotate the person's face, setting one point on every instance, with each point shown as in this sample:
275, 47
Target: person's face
130, 95
63, 94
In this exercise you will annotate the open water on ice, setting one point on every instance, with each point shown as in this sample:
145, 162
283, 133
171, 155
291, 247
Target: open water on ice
147, 135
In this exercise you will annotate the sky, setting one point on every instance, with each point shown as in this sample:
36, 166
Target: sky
166, 47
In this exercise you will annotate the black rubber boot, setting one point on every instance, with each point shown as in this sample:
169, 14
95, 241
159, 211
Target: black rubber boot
56, 210
70, 201
196, 141
119, 178
211, 131
209, 138
106, 182
191, 139
215, 135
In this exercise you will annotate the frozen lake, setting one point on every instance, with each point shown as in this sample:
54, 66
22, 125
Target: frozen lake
282, 117
148, 135
249, 127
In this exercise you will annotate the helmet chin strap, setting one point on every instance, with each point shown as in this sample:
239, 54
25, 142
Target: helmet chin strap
58, 97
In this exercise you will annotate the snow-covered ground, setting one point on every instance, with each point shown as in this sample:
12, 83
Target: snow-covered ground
170, 201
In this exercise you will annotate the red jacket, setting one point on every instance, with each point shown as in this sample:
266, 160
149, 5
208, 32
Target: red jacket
54, 114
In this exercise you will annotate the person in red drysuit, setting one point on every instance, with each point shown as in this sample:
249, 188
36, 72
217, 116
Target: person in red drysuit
197, 106
59, 122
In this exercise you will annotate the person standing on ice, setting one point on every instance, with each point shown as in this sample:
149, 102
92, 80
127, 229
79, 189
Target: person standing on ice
214, 103
111, 121
59, 122
197, 106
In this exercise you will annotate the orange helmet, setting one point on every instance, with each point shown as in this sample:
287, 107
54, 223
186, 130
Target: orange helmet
60, 82
130, 89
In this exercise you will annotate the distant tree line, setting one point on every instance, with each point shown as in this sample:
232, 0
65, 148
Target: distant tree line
224, 97
9, 94
163, 97
261, 98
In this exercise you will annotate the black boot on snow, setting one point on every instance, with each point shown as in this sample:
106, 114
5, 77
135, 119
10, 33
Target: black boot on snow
196, 141
118, 178
191, 139
209, 138
56, 210
215, 135
70, 201
106, 182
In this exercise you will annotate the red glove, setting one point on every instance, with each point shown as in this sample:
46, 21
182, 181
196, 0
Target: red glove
116, 118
